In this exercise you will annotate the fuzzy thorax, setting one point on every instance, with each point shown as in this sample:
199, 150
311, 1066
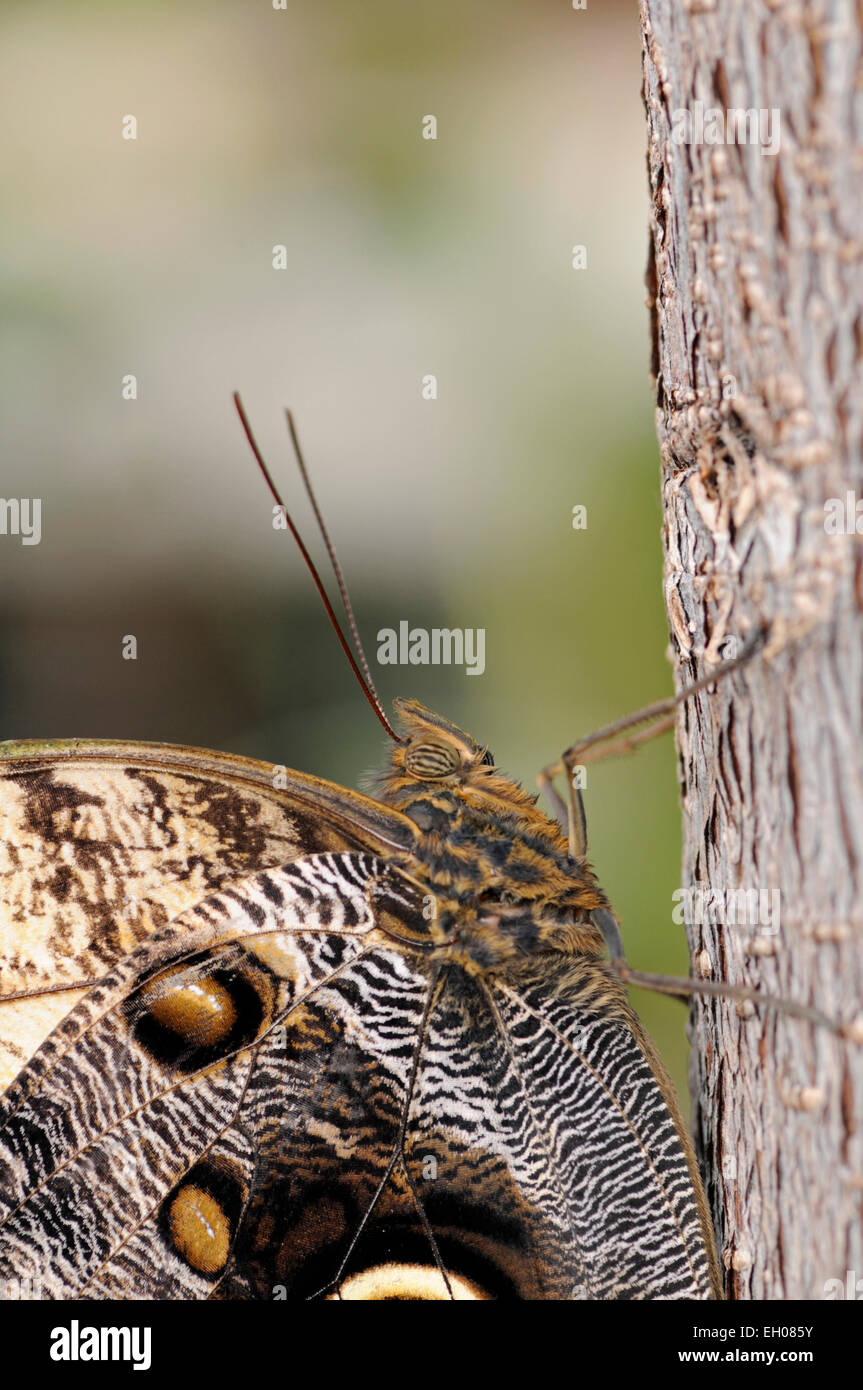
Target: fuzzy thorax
498, 865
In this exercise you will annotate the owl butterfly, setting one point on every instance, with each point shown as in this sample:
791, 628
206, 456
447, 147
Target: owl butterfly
306, 1043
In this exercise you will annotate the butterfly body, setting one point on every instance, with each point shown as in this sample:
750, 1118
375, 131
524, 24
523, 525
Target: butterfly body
339, 1046
499, 870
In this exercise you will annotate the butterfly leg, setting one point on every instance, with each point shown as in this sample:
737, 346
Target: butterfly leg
684, 987
614, 739
570, 815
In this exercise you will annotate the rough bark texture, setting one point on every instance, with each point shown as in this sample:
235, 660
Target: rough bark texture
757, 303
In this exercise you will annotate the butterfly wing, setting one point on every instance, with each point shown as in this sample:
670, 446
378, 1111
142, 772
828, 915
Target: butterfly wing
102, 843
541, 1159
594, 1144
281, 1094
259, 1028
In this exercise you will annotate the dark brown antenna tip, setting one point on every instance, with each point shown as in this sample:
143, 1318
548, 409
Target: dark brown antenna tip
331, 551
366, 683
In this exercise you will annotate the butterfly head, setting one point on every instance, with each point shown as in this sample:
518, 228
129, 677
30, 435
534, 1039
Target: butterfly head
438, 760
433, 749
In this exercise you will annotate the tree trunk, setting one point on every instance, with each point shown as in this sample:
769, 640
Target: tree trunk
757, 312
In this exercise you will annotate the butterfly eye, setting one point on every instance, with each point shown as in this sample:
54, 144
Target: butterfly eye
487, 759
430, 760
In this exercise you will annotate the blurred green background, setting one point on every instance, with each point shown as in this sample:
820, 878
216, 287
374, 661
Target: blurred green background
404, 257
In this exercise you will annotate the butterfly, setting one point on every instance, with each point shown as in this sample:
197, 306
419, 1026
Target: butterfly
309, 1043
292, 1078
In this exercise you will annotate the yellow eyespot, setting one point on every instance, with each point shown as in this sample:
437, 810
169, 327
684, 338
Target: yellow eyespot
408, 1283
200, 1010
200, 1229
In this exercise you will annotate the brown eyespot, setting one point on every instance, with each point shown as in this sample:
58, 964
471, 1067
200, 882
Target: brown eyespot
430, 760
191, 1015
200, 1217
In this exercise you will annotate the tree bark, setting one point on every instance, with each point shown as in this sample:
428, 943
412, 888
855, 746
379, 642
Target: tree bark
757, 312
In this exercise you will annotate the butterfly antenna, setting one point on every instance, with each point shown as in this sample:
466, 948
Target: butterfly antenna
366, 682
331, 551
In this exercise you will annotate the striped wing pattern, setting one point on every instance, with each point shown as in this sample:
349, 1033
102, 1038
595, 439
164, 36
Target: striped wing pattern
102, 844
610, 1143
273, 1097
